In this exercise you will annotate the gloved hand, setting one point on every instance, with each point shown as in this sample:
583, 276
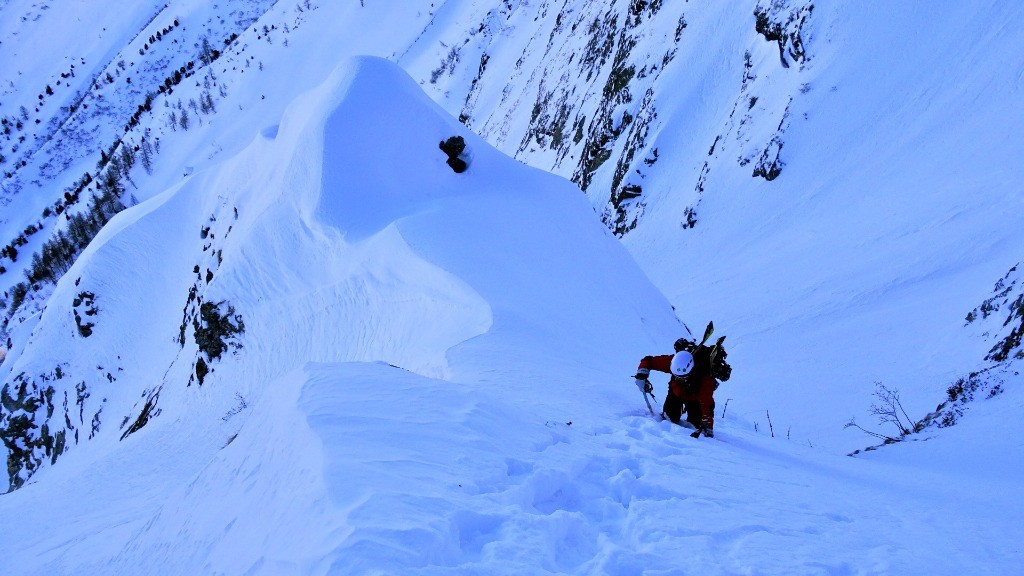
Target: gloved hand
644, 385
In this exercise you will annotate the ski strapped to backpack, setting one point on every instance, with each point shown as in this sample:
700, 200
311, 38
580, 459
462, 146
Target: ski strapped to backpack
720, 369
707, 333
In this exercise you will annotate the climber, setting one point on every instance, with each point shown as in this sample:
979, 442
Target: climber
692, 384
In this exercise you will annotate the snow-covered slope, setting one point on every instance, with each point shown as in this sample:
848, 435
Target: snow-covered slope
312, 245
832, 183
421, 372
320, 480
836, 210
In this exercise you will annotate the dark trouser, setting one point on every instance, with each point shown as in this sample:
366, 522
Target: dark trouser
696, 412
699, 415
673, 407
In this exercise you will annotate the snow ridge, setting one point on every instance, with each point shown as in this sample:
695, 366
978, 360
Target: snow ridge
224, 365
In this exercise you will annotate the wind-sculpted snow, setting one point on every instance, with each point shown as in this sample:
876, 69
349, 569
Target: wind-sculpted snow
313, 348
364, 468
275, 246
773, 166
473, 278
665, 111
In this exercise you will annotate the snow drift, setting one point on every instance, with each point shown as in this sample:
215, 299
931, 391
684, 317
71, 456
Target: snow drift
343, 236
892, 218
334, 355
834, 184
340, 236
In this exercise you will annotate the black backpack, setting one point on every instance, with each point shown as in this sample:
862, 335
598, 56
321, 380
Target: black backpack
720, 369
711, 359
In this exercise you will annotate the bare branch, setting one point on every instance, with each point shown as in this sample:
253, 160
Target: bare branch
890, 408
853, 424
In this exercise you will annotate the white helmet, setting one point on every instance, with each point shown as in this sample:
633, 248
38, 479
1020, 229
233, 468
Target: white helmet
682, 363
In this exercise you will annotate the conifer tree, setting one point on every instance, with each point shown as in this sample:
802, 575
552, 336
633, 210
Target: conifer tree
146, 155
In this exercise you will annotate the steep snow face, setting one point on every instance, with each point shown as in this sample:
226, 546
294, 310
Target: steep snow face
425, 379
339, 235
137, 101
836, 210
335, 355
321, 480
832, 184
77, 81
888, 224
626, 96
247, 272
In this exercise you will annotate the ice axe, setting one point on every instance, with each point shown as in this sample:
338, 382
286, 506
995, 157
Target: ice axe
648, 402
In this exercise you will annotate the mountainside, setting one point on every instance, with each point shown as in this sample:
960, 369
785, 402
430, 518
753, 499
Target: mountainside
244, 253
334, 354
832, 184
207, 209
768, 145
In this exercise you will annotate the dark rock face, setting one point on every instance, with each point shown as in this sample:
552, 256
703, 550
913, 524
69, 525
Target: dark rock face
454, 147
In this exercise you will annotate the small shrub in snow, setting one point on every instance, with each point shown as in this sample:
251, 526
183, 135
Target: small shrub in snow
948, 413
690, 216
890, 411
202, 369
214, 329
86, 302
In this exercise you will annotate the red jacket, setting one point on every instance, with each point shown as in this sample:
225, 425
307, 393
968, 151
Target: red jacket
696, 388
